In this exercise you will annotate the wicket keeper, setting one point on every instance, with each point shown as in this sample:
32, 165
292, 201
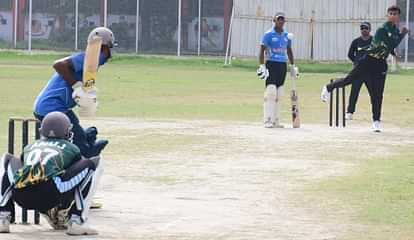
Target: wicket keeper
373, 66
275, 45
51, 177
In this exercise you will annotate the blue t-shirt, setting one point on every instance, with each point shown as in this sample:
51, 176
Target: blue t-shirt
276, 45
57, 94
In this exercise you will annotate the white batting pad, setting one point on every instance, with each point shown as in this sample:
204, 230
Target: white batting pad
269, 104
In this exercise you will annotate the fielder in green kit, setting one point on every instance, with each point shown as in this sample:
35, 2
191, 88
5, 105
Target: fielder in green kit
373, 67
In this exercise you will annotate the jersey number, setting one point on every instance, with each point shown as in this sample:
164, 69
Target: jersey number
41, 155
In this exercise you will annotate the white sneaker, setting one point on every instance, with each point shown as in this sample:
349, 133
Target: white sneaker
76, 227
325, 94
5, 218
348, 116
268, 124
376, 126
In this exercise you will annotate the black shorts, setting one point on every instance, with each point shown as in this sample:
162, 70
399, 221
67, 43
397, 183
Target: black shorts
42, 196
46, 195
277, 73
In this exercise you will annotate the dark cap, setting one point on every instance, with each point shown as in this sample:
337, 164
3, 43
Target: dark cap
394, 8
366, 24
279, 15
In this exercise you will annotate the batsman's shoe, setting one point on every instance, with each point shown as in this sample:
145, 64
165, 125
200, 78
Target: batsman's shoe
5, 218
349, 116
78, 228
268, 124
325, 94
376, 126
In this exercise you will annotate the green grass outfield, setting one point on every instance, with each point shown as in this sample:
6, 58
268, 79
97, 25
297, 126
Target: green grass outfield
202, 88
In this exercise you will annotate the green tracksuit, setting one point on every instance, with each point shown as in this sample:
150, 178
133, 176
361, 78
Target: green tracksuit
386, 39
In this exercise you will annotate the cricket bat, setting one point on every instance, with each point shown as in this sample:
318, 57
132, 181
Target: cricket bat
90, 65
295, 103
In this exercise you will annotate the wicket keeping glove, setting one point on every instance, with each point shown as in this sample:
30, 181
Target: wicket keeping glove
262, 72
294, 71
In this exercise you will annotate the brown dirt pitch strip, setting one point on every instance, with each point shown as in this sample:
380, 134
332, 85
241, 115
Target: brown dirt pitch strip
181, 179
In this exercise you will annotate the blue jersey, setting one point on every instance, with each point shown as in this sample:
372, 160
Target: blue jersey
57, 94
276, 45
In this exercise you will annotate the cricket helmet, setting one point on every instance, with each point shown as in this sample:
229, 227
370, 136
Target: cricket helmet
56, 125
106, 34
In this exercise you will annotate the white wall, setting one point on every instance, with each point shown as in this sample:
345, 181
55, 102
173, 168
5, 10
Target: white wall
6, 26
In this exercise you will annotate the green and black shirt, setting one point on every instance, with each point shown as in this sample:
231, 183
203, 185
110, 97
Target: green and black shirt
386, 38
45, 159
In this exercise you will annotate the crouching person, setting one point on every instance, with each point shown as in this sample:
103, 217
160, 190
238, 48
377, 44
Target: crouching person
52, 178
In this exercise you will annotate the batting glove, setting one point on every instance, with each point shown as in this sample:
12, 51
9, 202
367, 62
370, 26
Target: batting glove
82, 98
78, 91
262, 72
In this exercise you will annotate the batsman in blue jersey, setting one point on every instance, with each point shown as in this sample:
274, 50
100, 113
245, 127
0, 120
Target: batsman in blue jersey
64, 91
276, 46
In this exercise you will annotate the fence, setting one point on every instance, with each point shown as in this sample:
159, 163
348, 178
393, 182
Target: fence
324, 29
143, 26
